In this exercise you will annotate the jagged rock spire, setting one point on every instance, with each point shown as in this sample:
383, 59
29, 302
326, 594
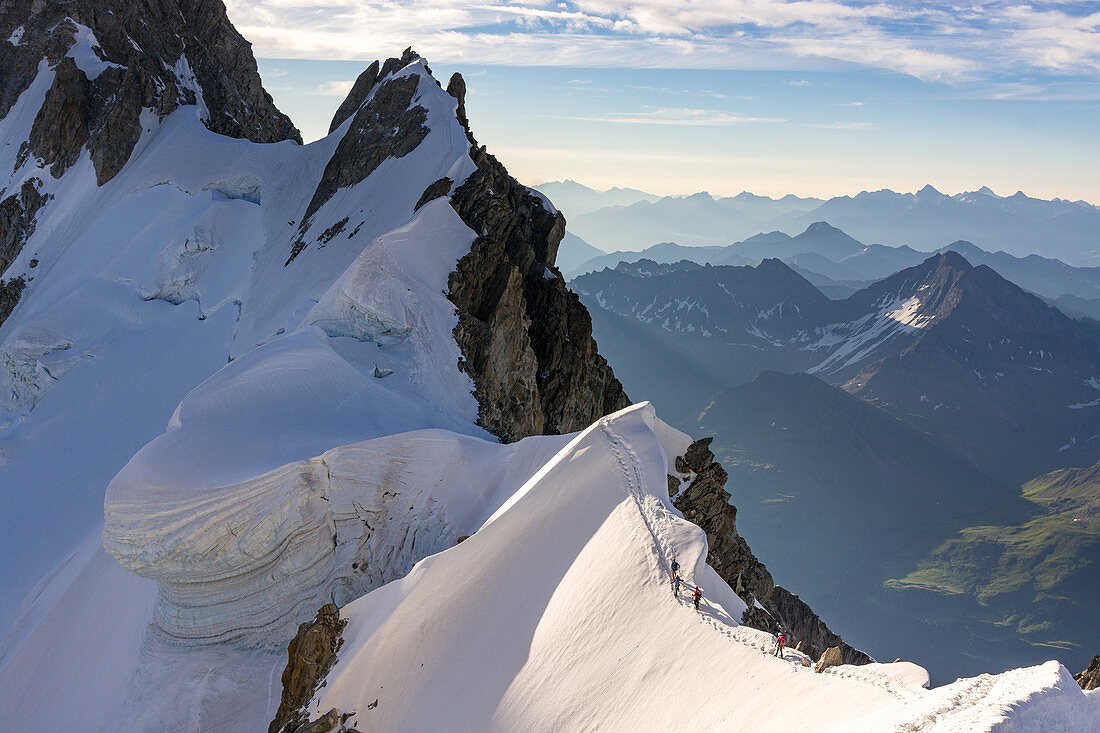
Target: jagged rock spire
113, 58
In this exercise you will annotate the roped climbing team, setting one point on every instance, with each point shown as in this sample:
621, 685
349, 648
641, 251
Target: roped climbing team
697, 595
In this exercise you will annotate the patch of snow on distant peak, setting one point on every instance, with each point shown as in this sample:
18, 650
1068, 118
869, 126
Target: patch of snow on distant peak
16, 36
908, 313
84, 50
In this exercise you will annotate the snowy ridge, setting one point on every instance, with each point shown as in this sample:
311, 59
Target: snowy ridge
557, 615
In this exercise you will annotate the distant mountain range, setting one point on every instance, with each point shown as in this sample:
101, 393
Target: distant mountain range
573, 252
925, 220
951, 386
694, 220
576, 199
839, 265
940, 338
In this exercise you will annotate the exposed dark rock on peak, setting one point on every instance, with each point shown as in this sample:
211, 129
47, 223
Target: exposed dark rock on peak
360, 90
10, 290
1089, 679
435, 189
706, 503
310, 656
526, 338
456, 87
387, 125
365, 84
805, 625
17, 221
155, 56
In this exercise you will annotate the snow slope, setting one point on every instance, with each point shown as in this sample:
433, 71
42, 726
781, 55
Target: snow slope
152, 283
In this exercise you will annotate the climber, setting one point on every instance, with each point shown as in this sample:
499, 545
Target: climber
675, 567
696, 596
780, 642
676, 586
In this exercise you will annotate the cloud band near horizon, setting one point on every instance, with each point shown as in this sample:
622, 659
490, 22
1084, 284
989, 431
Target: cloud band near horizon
932, 41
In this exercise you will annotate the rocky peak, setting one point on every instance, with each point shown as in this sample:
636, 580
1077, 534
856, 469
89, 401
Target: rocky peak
526, 337
822, 227
1089, 678
929, 193
113, 58
385, 124
365, 84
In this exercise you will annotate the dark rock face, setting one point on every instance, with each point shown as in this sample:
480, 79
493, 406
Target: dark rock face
17, 222
436, 189
526, 338
156, 55
310, 656
387, 126
804, 624
1089, 679
10, 290
331, 722
706, 503
360, 90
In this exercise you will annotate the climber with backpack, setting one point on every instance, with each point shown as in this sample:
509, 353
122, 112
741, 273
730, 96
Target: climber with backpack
675, 567
676, 586
780, 642
696, 596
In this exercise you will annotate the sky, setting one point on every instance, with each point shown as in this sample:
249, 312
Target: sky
808, 97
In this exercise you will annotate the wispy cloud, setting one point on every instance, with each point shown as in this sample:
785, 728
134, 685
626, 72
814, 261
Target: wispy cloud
931, 39
680, 116
843, 125
335, 88
797, 83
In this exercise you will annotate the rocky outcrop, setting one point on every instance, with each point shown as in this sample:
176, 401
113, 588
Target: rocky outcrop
331, 722
10, 290
1089, 679
525, 337
17, 221
114, 58
360, 90
706, 502
800, 620
436, 189
831, 658
310, 656
388, 125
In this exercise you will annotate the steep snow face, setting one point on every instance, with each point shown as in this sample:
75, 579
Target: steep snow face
171, 276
